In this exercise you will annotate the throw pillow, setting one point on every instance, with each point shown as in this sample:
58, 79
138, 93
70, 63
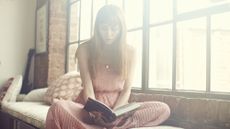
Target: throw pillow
13, 90
66, 87
35, 95
4, 88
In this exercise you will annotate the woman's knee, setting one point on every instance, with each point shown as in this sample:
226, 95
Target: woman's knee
57, 107
58, 104
165, 110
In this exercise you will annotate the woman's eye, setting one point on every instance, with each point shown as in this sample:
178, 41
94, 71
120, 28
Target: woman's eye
111, 28
115, 28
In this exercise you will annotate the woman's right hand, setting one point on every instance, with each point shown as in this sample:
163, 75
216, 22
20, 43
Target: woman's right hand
98, 119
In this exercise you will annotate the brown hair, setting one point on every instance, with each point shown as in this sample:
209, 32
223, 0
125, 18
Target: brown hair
109, 14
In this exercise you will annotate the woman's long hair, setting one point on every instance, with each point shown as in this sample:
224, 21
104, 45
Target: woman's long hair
109, 14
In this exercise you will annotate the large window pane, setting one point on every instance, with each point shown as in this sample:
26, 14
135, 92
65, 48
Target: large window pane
191, 5
135, 39
160, 57
74, 22
85, 28
191, 55
72, 62
134, 13
160, 11
220, 56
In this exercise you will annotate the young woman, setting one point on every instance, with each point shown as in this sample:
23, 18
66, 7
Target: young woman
106, 65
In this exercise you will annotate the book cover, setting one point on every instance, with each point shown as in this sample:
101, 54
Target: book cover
95, 107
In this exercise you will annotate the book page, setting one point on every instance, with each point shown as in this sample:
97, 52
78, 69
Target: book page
126, 108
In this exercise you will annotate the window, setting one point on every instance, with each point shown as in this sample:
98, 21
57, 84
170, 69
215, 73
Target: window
220, 50
81, 21
181, 46
160, 57
191, 54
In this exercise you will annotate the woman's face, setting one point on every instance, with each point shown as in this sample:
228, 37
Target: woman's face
109, 33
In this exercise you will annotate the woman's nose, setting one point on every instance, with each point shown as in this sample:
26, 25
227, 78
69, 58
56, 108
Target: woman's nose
109, 32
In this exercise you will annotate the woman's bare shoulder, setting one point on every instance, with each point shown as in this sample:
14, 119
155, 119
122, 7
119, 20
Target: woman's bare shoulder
84, 46
83, 49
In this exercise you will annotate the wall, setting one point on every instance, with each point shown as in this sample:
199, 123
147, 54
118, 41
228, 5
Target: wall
57, 39
41, 60
192, 113
16, 35
49, 66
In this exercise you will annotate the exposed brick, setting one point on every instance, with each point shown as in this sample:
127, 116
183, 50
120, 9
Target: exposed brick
197, 110
224, 113
41, 70
192, 113
53, 62
212, 114
173, 102
182, 110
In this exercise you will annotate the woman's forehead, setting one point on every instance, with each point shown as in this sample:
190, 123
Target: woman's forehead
110, 24
110, 20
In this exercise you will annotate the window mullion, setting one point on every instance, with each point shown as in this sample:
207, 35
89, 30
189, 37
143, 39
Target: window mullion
91, 28
145, 52
123, 5
174, 46
208, 56
79, 25
68, 36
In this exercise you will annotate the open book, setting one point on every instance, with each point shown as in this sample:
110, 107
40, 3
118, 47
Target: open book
108, 115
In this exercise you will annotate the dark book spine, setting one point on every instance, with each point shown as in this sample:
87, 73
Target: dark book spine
95, 106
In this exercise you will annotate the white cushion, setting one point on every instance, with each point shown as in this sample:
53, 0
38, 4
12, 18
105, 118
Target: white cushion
13, 90
20, 97
31, 112
36, 95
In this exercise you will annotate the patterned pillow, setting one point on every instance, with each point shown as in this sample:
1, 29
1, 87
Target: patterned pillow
66, 87
4, 88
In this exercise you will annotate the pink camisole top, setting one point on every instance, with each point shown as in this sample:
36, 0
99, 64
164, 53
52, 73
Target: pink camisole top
107, 86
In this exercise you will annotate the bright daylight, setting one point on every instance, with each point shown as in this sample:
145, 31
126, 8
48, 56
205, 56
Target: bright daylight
115, 64
187, 43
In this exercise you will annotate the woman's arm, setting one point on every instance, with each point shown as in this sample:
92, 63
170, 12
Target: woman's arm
125, 93
83, 57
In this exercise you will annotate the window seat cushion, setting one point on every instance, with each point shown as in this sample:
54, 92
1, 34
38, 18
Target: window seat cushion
159, 127
33, 113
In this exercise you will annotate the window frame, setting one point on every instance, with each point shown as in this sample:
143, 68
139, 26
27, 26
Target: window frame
205, 12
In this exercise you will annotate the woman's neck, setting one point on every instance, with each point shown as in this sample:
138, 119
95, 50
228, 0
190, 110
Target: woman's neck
108, 50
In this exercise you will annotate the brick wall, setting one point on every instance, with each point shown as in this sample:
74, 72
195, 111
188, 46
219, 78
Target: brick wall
41, 70
192, 113
57, 38
50, 65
